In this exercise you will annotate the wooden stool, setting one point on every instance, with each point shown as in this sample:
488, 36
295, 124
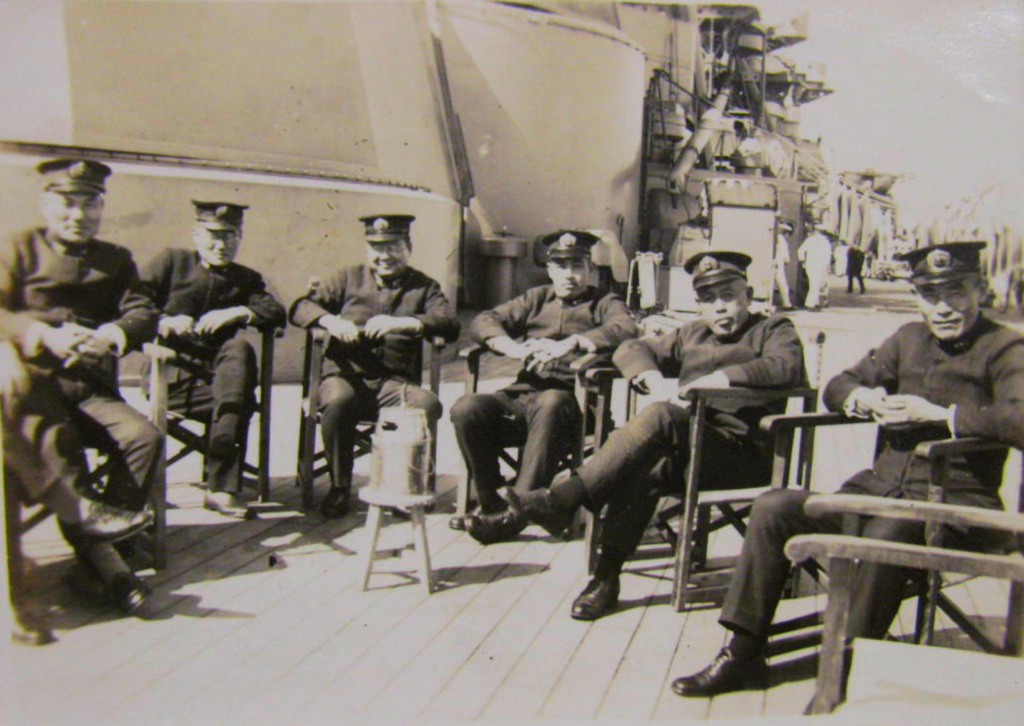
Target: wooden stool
415, 503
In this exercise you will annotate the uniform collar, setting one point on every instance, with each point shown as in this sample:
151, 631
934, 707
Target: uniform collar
390, 283
66, 249
966, 341
584, 296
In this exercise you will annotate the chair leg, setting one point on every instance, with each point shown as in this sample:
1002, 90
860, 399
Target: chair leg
591, 538
831, 661
1014, 641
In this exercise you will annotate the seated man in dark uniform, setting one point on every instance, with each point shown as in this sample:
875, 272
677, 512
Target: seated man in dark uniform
727, 347
556, 324
954, 374
71, 303
206, 300
377, 314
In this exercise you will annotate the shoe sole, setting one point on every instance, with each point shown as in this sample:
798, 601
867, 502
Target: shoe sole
234, 514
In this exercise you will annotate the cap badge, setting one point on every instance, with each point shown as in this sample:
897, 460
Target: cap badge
707, 265
940, 259
222, 211
380, 224
567, 240
78, 170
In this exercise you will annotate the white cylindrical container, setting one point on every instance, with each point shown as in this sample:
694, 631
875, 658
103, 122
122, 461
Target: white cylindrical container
400, 458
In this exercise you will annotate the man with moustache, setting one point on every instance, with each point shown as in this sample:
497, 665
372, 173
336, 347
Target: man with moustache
728, 346
955, 373
377, 315
547, 328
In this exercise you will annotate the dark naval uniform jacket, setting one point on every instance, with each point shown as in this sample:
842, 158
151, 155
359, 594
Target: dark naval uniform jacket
599, 316
181, 285
982, 374
90, 284
766, 353
353, 294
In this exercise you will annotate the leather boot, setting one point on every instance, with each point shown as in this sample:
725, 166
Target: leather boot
537, 507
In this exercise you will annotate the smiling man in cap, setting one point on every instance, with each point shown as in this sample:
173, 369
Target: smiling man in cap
206, 300
71, 303
727, 347
377, 314
955, 373
547, 328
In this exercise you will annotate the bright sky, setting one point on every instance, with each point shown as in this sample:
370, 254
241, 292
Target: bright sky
934, 88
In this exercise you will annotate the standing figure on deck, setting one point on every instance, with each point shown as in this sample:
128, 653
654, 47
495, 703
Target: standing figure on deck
377, 314
727, 347
854, 268
956, 374
780, 261
71, 304
205, 301
547, 328
816, 256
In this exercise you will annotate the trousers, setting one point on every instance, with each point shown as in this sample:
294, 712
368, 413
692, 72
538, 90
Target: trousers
648, 457
67, 411
224, 384
545, 423
877, 590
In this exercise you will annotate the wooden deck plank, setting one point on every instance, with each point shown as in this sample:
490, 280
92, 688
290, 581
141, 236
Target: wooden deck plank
359, 683
196, 616
220, 679
581, 686
426, 676
468, 691
345, 633
644, 671
700, 638
529, 682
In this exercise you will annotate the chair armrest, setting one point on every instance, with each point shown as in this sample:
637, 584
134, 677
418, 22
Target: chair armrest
774, 424
158, 352
945, 448
954, 514
823, 546
275, 329
753, 395
473, 352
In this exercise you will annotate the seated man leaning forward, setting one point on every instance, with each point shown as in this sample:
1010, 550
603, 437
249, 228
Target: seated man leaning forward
954, 374
205, 301
728, 346
71, 303
377, 315
556, 323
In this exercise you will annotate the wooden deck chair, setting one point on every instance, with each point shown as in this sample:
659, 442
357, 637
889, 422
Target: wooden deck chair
162, 359
701, 513
840, 552
313, 460
592, 391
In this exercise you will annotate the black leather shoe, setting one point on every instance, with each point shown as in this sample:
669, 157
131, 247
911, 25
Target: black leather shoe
491, 528
537, 507
598, 598
129, 592
335, 503
725, 674
103, 523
